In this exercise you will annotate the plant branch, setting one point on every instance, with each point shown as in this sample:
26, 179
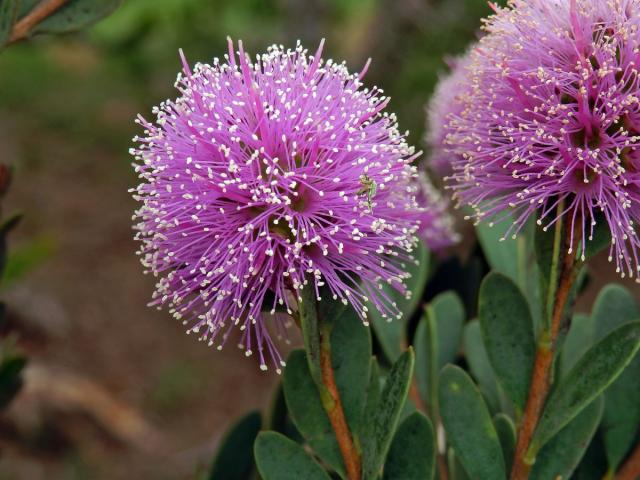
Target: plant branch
333, 406
631, 468
545, 353
317, 341
22, 28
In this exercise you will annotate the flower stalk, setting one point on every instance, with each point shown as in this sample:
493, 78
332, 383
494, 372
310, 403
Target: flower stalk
563, 275
316, 331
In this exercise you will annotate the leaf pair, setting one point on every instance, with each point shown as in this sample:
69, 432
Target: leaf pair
507, 331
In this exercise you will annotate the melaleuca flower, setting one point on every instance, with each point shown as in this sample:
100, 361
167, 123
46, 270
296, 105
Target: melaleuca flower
436, 224
442, 106
550, 123
265, 177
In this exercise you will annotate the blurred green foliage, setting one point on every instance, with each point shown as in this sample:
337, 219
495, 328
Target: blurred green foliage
87, 87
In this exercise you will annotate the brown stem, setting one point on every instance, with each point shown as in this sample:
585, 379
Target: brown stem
541, 375
631, 468
333, 406
23, 27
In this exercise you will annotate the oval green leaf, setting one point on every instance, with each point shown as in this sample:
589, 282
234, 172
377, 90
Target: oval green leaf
234, 460
413, 450
560, 457
507, 331
615, 306
279, 458
351, 360
468, 425
507, 434
437, 340
479, 364
594, 372
306, 411
387, 414
391, 332
75, 15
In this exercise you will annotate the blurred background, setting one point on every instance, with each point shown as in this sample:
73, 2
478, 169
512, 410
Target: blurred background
115, 389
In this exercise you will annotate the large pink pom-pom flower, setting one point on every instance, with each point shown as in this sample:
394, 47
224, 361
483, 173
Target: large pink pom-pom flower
266, 176
550, 123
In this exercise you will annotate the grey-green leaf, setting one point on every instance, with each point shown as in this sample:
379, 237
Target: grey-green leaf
615, 306
448, 310
413, 450
502, 255
577, 342
594, 372
560, 457
234, 460
75, 15
365, 433
437, 340
469, 427
279, 458
479, 364
387, 415
306, 411
391, 334
507, 331
506, 431
351, 359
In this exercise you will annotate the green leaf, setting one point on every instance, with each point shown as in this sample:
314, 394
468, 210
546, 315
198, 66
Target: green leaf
594, 372
616, 306
601, 237
613, 307
26, 257
277, 416
387, 414
412, 454
507, 331
448, 310
506, 431
351, 359
5, 228
234, 460
279, 458
8, 16
437, 340
391, 332
11, 381
479, 364
512, 257
577, 342
307, 309
469, 428
560, 457
306, 411
456, 470
76, 15
502, 255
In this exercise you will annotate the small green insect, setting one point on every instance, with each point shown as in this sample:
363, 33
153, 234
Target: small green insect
369, 188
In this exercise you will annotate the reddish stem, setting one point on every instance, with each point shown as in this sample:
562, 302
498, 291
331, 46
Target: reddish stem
541, 375
334, 409
631, 468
